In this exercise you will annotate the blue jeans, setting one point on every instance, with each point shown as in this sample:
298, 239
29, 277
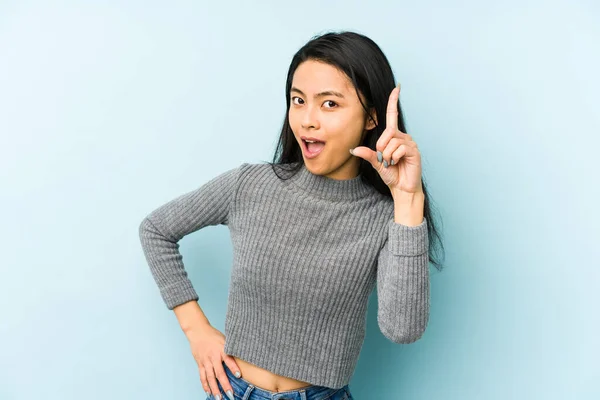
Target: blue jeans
244, 390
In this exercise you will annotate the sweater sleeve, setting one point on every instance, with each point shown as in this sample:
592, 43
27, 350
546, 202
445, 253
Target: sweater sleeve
161, 230
403, 283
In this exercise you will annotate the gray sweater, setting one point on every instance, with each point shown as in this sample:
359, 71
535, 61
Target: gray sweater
307, 254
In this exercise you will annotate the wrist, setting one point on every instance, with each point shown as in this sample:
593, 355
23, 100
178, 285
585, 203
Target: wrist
191, 319
409, 198
408, 208
196, 332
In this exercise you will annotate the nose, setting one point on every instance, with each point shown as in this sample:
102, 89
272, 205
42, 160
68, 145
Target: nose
310, 118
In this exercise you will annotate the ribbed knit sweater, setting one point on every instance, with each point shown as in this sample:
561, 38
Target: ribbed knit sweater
307, 253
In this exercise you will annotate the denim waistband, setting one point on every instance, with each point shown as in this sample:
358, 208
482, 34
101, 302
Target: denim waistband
245, 390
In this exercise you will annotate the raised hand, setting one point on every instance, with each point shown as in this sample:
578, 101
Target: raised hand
397, 159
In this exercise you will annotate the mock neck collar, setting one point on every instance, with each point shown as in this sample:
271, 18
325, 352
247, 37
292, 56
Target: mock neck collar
328, 188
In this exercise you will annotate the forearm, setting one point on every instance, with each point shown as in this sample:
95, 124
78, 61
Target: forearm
408, 208
403, 296
402, 271
191, 318
403, 282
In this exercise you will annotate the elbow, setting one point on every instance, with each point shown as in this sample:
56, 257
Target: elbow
403, 337
152, 234
148, 228
402, 333
144, 227
147, 232
410, 337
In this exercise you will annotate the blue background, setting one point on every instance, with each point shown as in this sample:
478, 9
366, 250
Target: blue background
109, 109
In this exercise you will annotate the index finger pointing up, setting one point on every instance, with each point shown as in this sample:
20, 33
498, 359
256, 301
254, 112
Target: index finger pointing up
391, 115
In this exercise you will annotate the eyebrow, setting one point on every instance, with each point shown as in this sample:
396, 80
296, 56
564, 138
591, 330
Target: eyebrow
325, 93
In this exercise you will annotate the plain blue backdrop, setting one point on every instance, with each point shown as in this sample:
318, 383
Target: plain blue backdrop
109, 109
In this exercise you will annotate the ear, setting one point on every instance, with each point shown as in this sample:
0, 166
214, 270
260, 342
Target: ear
370, 125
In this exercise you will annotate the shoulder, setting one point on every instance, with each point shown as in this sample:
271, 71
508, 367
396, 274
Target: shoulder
253, 167
263, 172
255, 171
256, 176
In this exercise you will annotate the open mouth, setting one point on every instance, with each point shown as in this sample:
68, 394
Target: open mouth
313, 147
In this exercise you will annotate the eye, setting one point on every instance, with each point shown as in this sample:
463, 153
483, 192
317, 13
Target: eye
330, 101
295, 97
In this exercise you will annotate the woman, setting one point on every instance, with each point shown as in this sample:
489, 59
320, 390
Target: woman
342, 207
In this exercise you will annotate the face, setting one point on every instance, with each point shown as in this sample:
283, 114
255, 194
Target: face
324, 106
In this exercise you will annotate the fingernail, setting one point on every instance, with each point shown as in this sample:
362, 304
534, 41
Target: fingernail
385, 164
218, 396
379, 156
351, 151
237, 374
230, 395
392, 163
208, 395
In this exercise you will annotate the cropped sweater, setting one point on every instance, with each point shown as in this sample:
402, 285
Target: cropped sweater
307, 253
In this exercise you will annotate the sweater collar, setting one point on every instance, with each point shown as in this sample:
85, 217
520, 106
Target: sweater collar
331, 189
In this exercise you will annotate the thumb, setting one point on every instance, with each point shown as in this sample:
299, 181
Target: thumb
365, 153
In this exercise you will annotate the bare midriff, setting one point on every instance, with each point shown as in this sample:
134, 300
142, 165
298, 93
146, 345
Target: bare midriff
267, 380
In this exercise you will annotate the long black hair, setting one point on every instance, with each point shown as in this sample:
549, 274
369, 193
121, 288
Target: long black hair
370, 72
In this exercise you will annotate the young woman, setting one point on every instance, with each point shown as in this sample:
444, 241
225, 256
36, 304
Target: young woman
342, 208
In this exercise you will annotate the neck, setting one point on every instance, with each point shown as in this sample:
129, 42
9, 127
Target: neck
328, 188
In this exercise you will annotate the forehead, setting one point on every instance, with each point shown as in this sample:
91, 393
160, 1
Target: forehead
314, 76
